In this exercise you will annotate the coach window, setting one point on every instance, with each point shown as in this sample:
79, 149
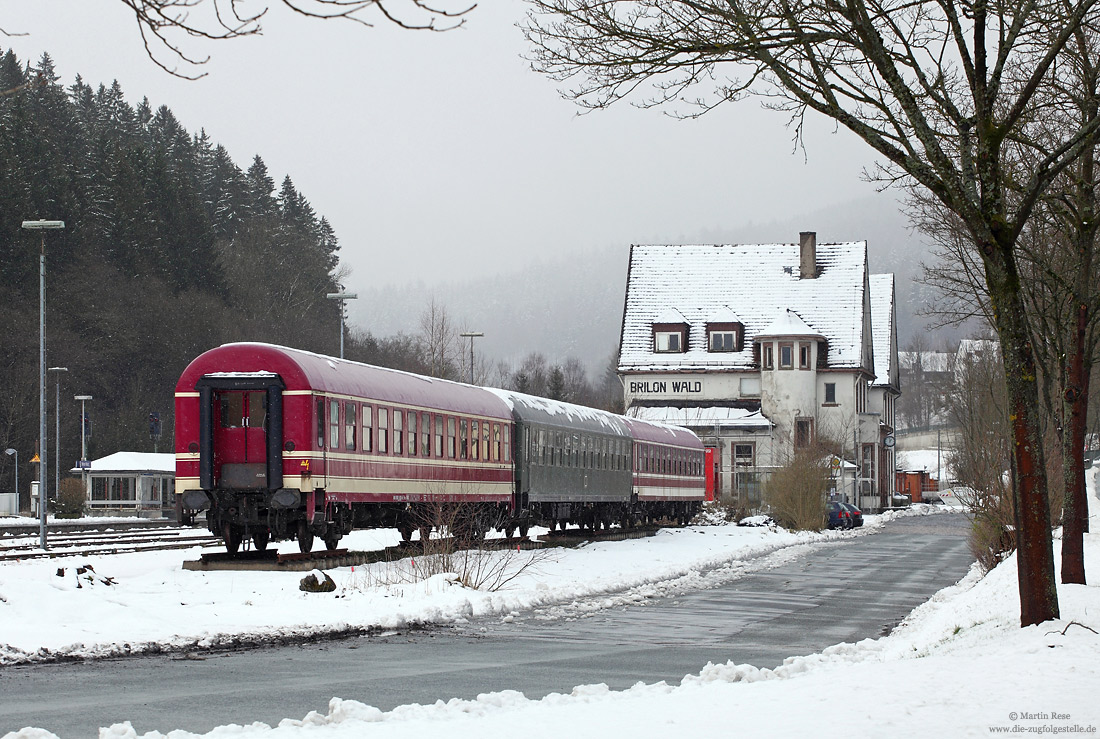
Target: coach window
451, 443
425, 434
334, 425
475, 430
507, 452
412, 433
464, 439
349, 426
496, 442
485, 440
398, 432
438, 435
320, 424
383, 430
368, 427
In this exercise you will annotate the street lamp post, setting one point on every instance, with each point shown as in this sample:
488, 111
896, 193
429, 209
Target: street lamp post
57, 430
42, 226
10, 452
342, 297
471, 335
83, 442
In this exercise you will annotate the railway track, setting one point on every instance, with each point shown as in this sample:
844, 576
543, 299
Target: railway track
271, 560
101, 539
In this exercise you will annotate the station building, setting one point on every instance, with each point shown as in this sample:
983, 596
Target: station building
138, 484
761, 348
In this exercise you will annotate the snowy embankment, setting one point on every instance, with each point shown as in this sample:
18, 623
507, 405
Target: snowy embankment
105, 605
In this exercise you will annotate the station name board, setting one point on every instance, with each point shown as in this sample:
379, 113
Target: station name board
661, 387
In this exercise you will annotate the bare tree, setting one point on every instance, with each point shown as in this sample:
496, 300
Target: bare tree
438, 341
945, 92
165, 25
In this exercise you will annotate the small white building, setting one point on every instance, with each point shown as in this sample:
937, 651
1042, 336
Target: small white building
131, 484
760, 348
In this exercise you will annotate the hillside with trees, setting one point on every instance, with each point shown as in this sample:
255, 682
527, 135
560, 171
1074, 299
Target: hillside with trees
169, 248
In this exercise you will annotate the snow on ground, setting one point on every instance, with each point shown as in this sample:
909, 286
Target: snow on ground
958, 666
127, 603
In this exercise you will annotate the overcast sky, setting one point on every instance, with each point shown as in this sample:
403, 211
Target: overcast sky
443, 156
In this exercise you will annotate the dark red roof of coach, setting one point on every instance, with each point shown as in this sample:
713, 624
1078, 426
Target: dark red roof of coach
301, 370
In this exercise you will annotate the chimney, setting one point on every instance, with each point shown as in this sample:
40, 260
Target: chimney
807, 266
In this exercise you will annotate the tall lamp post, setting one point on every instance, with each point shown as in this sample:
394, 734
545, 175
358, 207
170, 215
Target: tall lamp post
10, 452
83, 441
342, 297
471, 335
57, 430
42, 226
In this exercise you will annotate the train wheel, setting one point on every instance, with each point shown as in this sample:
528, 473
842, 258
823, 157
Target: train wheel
331, 539
305, 537
232, 535
260, 538
523, 531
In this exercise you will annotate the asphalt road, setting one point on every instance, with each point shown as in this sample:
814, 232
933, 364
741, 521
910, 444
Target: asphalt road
861, 587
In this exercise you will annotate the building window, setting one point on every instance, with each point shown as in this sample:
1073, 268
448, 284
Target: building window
743, 455
750, 387
723, 341
867, 471
786, 356
668, 341
769, 356
803, 432
803, 356
830, 393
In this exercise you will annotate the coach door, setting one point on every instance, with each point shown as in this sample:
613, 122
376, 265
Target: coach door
240, 438
241, 429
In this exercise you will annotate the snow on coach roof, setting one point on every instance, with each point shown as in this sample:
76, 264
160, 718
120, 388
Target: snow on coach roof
302, 370
532, 408
756, 282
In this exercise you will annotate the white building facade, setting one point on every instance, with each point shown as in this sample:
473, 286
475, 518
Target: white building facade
762, 348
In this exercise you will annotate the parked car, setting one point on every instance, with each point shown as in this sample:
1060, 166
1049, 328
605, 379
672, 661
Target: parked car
854, 514
837, 516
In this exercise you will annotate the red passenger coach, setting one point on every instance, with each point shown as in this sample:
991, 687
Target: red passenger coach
668, 467
277, 443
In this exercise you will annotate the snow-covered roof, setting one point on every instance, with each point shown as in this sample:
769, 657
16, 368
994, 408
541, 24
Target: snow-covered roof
788, 323
927, 361
135, 462
883, 330
701, 417
758, 283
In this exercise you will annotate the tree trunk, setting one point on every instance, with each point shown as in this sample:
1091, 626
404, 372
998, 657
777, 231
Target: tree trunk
1034, 551
1075, 406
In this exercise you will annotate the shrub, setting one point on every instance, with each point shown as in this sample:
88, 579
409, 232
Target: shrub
796, 493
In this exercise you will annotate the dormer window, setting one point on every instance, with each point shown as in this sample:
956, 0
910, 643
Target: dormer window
722, 341
670, 332
725, 332
668, 341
